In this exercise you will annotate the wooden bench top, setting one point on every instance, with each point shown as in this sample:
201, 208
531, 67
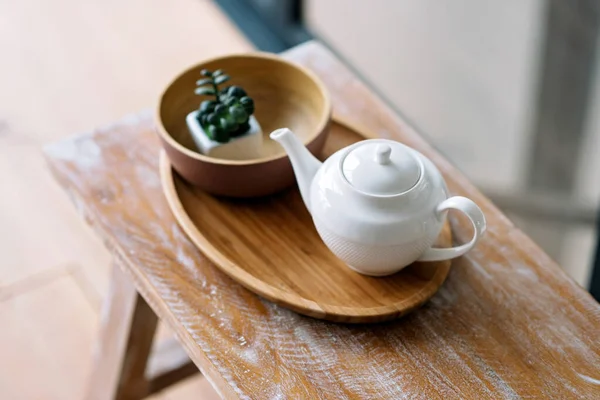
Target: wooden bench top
508, 322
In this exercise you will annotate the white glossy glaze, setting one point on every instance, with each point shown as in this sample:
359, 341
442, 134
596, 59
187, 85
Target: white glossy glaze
377, 204
381, 167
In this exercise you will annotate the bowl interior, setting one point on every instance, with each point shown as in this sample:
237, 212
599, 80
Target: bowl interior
284, 96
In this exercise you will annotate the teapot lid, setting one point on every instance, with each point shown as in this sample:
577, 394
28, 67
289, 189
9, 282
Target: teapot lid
381, 167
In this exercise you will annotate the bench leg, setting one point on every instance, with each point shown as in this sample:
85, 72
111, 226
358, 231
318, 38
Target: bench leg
127, 330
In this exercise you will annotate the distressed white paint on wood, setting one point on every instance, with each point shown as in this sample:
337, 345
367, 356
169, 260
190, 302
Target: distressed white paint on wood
508, 323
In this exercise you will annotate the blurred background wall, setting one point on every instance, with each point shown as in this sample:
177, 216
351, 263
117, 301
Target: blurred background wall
506, 90
462, 72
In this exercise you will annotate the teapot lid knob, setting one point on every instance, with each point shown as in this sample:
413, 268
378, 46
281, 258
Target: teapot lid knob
381, 167
382, 154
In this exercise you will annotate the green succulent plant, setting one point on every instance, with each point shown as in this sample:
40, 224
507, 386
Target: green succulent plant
227, 115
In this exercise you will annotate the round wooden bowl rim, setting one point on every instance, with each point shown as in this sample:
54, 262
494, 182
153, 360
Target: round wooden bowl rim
288, 299
324, 118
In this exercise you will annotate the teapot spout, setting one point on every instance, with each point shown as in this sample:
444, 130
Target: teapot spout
304, 163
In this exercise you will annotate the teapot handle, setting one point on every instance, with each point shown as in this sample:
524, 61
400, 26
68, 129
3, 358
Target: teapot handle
474, 213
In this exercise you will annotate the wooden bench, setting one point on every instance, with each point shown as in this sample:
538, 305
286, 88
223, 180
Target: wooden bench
508, 322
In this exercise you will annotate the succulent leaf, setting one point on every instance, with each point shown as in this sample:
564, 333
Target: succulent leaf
221, 79
205, 81
236, 91
220, 109
204, 91
225, 124
207, 106
238, 113
212, 118
229, 101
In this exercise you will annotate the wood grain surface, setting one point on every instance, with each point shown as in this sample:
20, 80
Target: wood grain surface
271, 246
285, 95
508, 323
70, 65
126, 331
121, 368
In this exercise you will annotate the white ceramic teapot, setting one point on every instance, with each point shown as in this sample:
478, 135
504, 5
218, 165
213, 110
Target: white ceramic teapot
377, 204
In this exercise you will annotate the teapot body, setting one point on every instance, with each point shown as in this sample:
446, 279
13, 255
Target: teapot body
377, 235
378, 204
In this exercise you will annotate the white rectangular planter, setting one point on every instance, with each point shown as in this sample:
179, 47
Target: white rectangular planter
243, 147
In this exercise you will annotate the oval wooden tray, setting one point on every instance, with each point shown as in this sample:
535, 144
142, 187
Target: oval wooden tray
271, 247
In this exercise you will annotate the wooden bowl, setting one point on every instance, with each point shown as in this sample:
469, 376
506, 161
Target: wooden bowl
285, 95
